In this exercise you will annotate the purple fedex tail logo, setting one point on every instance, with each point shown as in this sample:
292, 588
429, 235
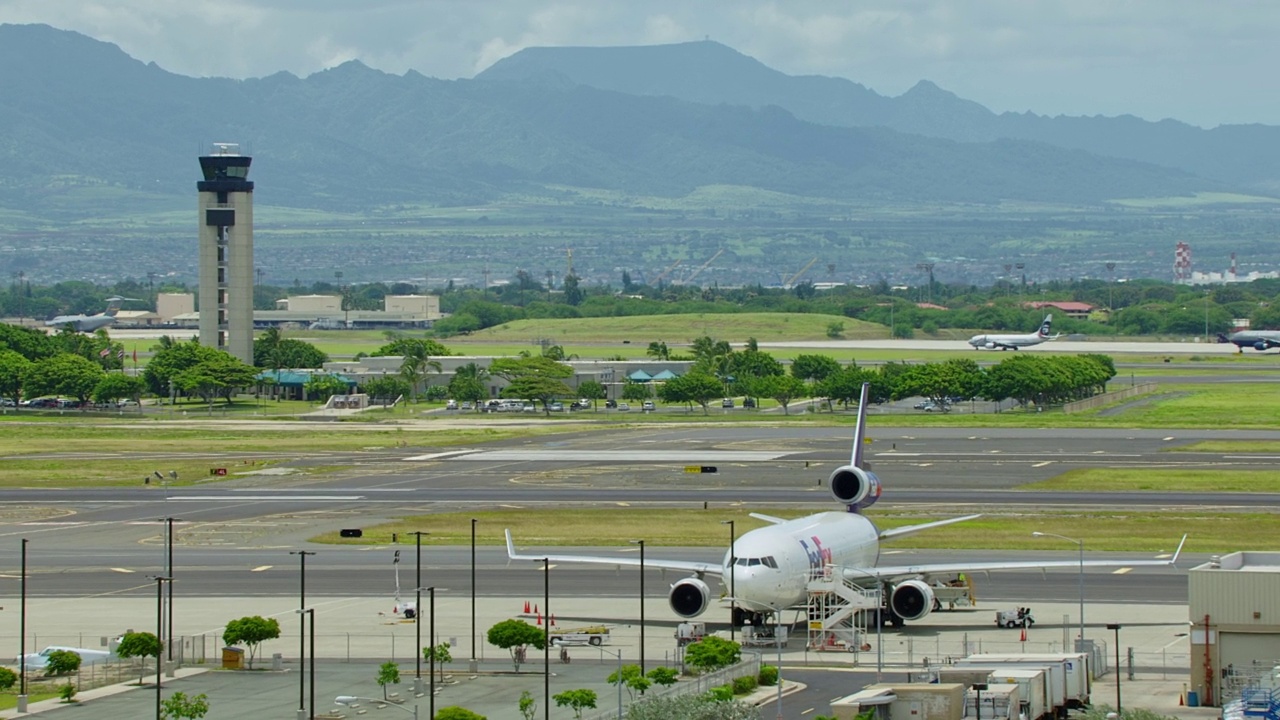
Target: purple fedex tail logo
818, 555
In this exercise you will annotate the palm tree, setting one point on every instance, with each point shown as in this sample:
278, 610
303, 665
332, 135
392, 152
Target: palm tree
414, 367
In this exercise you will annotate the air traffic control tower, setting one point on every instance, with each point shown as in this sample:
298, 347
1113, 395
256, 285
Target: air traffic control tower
226, 251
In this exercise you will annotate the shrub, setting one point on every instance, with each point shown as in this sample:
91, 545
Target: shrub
723, 693
744, 685
62, 662
67, 692
8, 678
768, 675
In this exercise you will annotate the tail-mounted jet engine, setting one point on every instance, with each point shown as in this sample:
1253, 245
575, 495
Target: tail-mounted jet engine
689, 597
911, 599
854, 487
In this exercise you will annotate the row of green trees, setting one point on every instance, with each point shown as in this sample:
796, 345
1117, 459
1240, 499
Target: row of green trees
1141, 307
720, 371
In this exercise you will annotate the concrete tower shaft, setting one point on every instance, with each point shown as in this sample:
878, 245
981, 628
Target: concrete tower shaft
225, 208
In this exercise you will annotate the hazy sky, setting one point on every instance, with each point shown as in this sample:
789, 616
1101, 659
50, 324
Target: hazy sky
1205, 62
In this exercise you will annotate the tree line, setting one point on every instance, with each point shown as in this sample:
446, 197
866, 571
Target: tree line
1138, 307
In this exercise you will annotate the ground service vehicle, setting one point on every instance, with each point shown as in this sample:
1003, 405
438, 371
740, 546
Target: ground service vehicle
1021, 617
595, 635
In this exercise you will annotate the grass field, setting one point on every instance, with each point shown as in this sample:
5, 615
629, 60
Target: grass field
1117, 480
1138, 531
20, 439
1231, 446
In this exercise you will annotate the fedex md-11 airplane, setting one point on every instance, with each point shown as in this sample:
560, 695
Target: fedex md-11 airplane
770, 567
1013, 342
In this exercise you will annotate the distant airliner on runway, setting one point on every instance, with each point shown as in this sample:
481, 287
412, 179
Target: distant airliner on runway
1260, 340
770, 567
1013, 342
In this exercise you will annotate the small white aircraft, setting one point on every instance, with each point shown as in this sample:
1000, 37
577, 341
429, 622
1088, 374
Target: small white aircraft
770, 567
1013, 342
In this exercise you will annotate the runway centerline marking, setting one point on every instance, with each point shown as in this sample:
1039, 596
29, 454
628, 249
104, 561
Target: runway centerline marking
260, 568
437, 456
1042, 464
126, 571
1122, 571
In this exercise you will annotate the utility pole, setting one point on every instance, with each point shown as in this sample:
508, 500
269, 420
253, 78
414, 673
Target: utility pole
1111, 272
928, 268
302, 634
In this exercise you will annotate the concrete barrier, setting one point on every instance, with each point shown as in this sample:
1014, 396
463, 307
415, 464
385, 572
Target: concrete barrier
1108, 398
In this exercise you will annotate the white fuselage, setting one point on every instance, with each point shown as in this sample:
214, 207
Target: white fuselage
1002, 342
774, 563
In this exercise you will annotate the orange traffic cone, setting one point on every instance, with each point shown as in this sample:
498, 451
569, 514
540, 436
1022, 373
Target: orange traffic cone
526, 607
1180, 700
551, 620
539, 621
1024, 635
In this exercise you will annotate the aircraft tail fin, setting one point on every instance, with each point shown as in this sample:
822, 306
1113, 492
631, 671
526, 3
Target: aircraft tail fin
113, 304
860, 430
1044, 326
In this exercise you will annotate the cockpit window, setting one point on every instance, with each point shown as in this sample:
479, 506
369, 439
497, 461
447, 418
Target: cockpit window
742, 562
770, 562
755, 561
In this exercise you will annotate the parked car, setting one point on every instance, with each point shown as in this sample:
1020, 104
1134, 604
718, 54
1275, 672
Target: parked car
466, 404
623, 407
726, 403
556, 407
749, 403
610, 404
451, 405
648, 406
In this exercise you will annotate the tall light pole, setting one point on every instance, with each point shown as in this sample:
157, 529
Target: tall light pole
617, 654
777, 641
431, 669
302, 635
473, 595
1081, 544
22, 630
733, 580
309, 619
160, 580
168, 571
1116, 628
546, 645
641, 544
417, 618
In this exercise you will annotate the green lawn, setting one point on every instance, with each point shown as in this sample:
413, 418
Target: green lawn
672, 526
1231, 446
9, 701
80, 437
1116, 480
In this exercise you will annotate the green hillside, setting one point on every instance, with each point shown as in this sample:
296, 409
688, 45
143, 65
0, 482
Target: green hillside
679, 329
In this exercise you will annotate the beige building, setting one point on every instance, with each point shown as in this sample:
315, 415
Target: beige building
420, 305
225, 212
1235, 623
311, 303
171, 305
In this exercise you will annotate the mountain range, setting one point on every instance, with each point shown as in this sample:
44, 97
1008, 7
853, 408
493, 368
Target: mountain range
710, 73
664, 120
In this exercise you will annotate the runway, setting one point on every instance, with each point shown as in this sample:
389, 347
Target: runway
1084, 346
87, 542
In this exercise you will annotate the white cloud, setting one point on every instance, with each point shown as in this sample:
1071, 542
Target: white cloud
1199, 61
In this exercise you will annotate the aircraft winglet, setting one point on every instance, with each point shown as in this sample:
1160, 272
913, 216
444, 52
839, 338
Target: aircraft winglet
860, 430
1174, 560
